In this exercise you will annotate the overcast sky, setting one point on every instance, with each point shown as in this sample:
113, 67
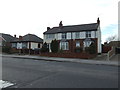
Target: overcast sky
21, 17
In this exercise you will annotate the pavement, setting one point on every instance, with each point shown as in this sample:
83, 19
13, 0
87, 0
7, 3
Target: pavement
75, 60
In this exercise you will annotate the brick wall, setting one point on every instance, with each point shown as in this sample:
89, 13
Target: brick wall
70, 55
72, 44
105, 49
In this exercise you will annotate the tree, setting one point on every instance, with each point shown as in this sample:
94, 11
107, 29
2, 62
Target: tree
45, 48
111, 38
54, 46
91, 49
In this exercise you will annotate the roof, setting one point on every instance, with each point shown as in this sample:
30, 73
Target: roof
7, 37
29, 38
73, 28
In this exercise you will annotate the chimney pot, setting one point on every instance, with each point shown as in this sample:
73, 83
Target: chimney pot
48, 28
15, 35
98, 20
60, 24
20, 37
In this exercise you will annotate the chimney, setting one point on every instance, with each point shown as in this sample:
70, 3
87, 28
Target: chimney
60, 24
15, 35
20, 37
98, 20
48, 28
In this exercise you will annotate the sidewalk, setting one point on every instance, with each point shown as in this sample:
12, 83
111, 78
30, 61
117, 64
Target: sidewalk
85, 61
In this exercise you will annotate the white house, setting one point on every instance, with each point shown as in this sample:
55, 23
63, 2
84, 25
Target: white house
27, 42
70, 37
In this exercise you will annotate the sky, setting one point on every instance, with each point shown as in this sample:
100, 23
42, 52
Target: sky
21, 17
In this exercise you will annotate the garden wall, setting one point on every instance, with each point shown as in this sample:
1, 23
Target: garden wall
70, 55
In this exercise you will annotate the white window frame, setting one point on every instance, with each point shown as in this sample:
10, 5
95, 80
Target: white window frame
88, 34
77, 44
87, 44
77, 35
64, 45
64, 35
50, 36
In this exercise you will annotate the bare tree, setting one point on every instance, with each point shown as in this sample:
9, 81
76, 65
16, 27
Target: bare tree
111, 38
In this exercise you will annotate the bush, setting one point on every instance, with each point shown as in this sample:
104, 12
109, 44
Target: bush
6, 49
44, 48
54, 46
87, 49
91, 49
78, 49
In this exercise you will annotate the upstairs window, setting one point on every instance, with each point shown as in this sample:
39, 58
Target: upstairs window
88, 34
50, 36
63, 35
77, 35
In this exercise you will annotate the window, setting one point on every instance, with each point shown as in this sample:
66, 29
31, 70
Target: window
63, 35
77, 44
50, 36
38, 45
24, 45
14, 45
64, 46
88, 34
77, 35
87, 44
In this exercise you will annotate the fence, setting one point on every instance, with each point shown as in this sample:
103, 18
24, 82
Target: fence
110, 53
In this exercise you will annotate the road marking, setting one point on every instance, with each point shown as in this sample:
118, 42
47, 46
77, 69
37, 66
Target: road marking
4, 84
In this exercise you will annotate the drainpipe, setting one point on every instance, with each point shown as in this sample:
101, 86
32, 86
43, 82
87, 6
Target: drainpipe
29, 48
71, 43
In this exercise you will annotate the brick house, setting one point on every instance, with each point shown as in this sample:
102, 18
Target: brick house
27, 43
70, 37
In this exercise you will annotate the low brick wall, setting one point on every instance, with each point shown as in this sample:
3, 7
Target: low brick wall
106, 49
70, 55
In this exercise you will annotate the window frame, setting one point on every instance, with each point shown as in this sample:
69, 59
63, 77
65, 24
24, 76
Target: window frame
77, 42
64, 35
77, 35
88, 34
50, 36
64, 45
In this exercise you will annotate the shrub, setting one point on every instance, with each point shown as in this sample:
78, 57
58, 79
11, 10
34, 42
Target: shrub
78, 49
6, 49
44, 48
54, 46
91, 49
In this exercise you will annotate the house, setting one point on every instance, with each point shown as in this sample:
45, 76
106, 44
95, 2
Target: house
115, 45
27, 43
5, 39
72, 36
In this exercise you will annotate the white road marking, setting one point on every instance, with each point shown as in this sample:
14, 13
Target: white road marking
4, 84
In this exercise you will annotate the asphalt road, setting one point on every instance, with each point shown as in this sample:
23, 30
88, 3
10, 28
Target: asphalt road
27, 73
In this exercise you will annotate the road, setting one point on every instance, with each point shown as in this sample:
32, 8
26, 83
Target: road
27, 73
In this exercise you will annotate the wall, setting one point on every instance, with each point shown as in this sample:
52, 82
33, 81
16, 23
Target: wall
98, 34
69, 55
